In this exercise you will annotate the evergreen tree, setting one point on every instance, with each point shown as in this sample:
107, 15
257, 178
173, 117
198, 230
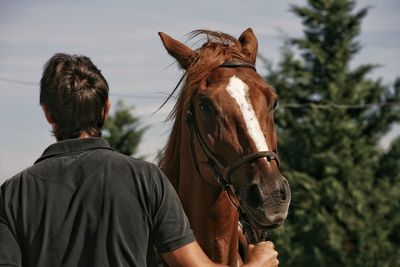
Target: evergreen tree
123, 130
345, 207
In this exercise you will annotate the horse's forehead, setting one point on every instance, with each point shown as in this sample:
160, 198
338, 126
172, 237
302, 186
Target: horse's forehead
220, 77
258, 92
238, 90
257, 85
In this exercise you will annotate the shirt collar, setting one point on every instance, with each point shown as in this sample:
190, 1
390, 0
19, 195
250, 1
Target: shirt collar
71, 146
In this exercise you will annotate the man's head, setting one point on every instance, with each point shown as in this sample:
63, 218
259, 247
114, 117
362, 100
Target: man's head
74, 96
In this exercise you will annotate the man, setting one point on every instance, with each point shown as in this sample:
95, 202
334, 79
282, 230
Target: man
83, 204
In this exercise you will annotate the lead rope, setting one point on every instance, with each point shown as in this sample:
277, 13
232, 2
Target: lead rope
247, 228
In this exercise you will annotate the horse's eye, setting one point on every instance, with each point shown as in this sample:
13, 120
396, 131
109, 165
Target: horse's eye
204, 107
275, 104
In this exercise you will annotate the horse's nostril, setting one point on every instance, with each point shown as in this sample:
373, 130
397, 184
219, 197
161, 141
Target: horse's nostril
284, 189
283, 194
254, 196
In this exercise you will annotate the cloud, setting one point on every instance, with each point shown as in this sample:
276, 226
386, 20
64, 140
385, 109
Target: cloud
121, 38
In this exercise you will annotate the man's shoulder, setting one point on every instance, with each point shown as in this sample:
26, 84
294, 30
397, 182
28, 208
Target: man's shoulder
117, 164
119, 159
14, 182
139, 168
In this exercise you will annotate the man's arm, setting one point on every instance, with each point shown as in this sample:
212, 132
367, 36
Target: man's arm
174, 239
10, 253
261, 254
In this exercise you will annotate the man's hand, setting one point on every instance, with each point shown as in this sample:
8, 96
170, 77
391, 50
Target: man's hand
262, 254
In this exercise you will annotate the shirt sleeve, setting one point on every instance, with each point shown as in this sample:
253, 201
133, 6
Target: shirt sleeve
171, 228
10, 253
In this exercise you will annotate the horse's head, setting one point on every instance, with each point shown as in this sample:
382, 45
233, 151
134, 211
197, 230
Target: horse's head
233, 114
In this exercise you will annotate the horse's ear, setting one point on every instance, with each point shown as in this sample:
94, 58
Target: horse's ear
249, 45
183, 54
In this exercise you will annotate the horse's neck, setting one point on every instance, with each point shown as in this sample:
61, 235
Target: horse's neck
213, 219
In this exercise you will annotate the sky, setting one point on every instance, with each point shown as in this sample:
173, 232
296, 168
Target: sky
121, 39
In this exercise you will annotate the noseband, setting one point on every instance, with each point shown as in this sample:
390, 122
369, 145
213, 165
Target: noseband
221, 172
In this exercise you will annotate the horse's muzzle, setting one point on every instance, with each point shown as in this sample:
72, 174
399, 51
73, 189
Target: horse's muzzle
266, 208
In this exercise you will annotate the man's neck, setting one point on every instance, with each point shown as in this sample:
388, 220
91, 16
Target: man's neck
84, 135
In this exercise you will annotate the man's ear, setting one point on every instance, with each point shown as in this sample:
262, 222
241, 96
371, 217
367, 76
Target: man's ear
107, 109
47, 114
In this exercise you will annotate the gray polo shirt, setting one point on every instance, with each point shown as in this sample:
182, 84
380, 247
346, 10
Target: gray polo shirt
83, 204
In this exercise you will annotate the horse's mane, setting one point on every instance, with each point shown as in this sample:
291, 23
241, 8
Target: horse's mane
217, 48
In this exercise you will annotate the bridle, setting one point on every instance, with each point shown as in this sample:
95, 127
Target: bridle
221, 172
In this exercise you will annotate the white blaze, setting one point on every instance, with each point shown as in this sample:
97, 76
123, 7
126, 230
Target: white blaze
239, 91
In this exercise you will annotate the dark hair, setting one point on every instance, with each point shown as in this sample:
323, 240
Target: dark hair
75, 93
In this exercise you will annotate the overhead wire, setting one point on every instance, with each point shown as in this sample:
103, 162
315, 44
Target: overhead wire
339, 106
112, 94
286, 105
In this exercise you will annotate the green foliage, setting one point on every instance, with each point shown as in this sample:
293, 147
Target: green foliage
123, 130
346, 193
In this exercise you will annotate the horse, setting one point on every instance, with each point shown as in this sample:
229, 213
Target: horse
221, 154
